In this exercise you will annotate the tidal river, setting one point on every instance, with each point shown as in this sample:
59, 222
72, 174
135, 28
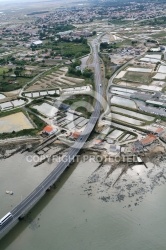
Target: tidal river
70, 217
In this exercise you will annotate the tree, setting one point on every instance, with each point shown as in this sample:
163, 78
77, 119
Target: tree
12, 59
17, 72
88, 73
134, 42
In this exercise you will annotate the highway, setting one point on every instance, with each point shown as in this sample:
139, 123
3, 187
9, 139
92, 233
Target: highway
21, 209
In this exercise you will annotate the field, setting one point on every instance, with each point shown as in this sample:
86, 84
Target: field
3, 70
155, 22
81, 103
139, 70
55, 80
132, 114
143, 78
124, 43
69, 49
109, 69
15, 122
125, 119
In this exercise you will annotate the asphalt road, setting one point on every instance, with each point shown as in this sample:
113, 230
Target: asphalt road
35, 196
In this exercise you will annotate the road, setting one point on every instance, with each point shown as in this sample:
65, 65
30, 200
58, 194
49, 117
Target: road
36, 195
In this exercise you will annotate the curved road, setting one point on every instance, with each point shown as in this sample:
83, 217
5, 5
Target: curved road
36, 195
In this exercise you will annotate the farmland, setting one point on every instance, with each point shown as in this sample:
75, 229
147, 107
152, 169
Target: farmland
68, 49
138, 77
15, 122
55, 80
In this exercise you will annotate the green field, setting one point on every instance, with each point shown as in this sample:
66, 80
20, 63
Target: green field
68, 49
119, 22
142, 78
3, 70
154, 21
159, 35
108, 66
79, 98
10, 84
124, 43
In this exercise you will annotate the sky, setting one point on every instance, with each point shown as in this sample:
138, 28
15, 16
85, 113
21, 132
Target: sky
21, 1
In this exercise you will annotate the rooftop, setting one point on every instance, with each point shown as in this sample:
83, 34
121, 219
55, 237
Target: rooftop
148, 139
48, 129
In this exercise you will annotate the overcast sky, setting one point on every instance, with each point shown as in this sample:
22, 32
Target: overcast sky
21, 1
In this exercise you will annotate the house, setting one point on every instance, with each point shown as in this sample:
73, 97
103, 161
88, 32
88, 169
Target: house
49, 130
75, 135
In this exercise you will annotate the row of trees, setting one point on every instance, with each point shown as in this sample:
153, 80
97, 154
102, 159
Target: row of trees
108, 46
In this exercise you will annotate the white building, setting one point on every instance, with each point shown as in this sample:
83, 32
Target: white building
37, 43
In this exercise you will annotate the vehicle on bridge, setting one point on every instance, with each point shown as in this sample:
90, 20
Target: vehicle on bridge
6, 218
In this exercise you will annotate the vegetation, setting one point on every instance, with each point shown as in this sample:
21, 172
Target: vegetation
133, 117
109, 69
135, 110
79, 98
154, 22
10, 112
39, 123
69, 49
119, 21
37, 12
54, 29
76, 72
125, 42
131, 126
108, 46
87, 75
3, 70
9, 83
24, 132
138, 77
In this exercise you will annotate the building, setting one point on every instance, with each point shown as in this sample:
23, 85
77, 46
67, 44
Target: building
37, 43
49, 130
159, 131
148, 140
76, 134
155, 49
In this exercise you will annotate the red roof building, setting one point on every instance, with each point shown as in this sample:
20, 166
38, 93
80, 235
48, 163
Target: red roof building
49, 130
75, 135
159, 130
149, 139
